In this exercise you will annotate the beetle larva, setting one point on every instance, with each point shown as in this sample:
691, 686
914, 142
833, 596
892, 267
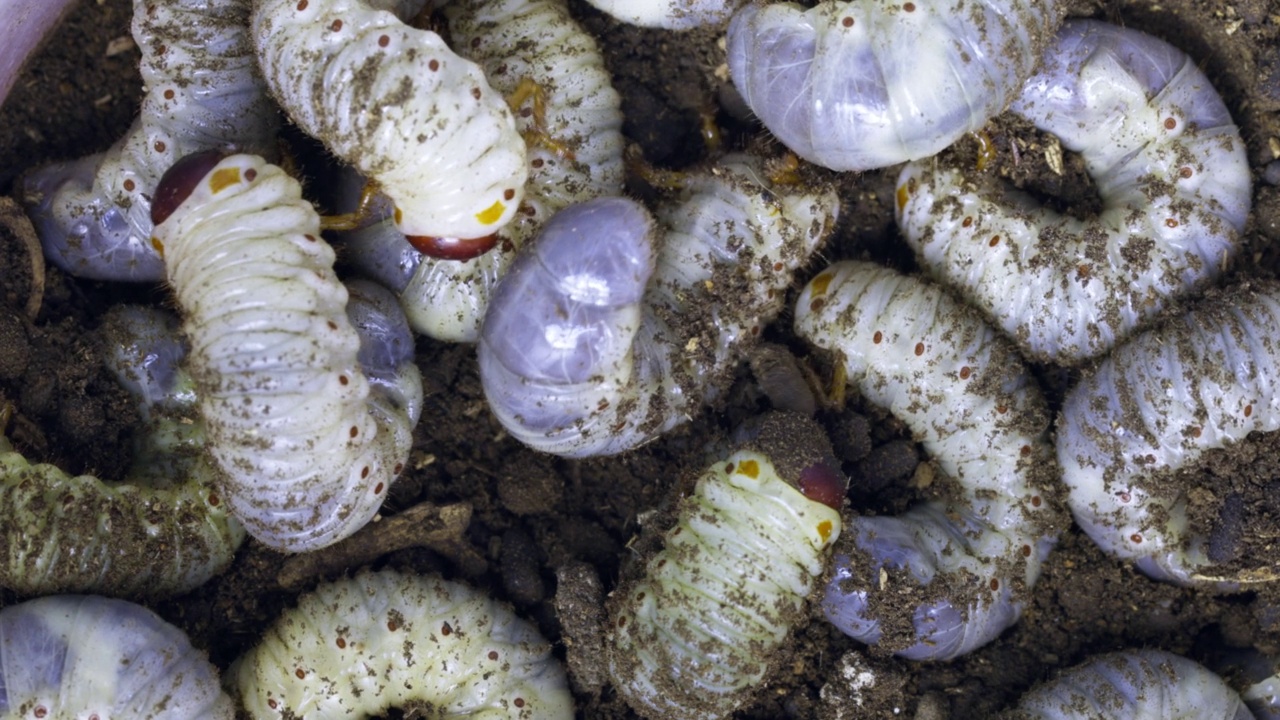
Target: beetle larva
861, 85
1155, 406
203, 92
1134, 684
695, 635
360, 646
966, 396
83, 656
400, 106
669, 14
162, 530
306, 443
1170, 169
602, 337
514, 41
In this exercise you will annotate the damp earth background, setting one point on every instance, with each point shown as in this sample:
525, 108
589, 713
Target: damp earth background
532, 513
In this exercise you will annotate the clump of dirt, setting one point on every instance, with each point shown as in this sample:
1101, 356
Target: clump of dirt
536, 518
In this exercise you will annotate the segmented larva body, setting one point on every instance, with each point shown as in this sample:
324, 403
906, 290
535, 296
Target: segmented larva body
1134, 684
306, 446
513, 40
693, 637
400, 106
669, 14
603, 336
162, 530
204, 92
861, 85
360, 646
83, 656
966, 396
1156, 405
1170, 169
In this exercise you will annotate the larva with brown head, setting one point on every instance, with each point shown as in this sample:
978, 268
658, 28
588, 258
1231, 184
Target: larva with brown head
400, 106
307, 444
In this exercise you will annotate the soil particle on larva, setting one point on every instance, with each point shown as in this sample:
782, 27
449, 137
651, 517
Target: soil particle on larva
76, 98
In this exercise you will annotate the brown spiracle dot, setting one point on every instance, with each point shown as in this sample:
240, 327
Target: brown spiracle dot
392, 625
777, 267
1136, 538
271, 702
622, 621
129, 185
1002, 409
160, 146
1195, 432
968, 221
302, 5
728, 469
1171, 223
1170, 123
299, 673
364, 472
640, 596
354, 431
475, 93
919, 349
434, 65
161, 49
1025, 450
336, 25
994, 241
816, 304
168, 94
493, 654
343, 380
310, 237
250, 175
995, 585
446, 629
384, 40
524, 111
965, 372
332, 325
214, 500
1248, 410
399, 468
40, 711
1035, 501
508, 194
536, 163
909, 7
1026, 551
877, 338
847, 22
377, 489
1186, 172
519, 702
342, 644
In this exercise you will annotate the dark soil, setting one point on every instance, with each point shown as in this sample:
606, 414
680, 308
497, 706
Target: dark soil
536, 517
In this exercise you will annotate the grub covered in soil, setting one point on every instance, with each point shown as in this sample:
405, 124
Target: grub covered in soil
553, 536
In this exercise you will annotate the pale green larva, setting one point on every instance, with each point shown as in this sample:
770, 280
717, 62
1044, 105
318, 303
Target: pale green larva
1170, 169
515, 41
1156, 405
358, 647
695, 635
203, 92
966, 396
307, 445
94, 658
162, 530
400, 106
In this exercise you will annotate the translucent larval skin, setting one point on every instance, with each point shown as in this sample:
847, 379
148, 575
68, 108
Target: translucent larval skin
512, 40
162, 530
1134, 684
867, 84
1169, 166
669, 14
400, 106
307, 443
1161, 400
83, 656
968, 399
603, 336
358, 647
695, 635
204, 92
